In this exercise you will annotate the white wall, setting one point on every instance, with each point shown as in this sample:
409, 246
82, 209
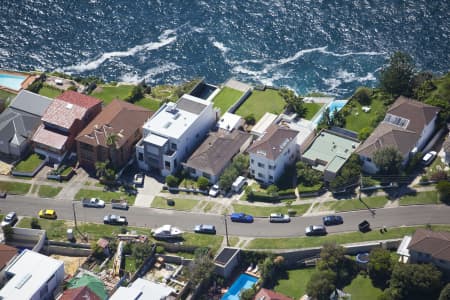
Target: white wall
426, 134
50, 285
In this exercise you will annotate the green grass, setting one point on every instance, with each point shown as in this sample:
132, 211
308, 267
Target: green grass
148, 103
108, 93
55, 229
130, 264
233, 240
295, 285
106, 196
312, 109
357, 119
309, 189
17, 188
342, 238
180, 204
5, 95
50, 92
260, 102
48, 191
225, 98
265, 211
96, 231
208, 206
203, 240
355, 204
29, 164
430, 197
362, 288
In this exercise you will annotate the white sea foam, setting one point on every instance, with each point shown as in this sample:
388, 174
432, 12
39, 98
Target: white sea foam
165, 39
132, 77
220, 46
343, 76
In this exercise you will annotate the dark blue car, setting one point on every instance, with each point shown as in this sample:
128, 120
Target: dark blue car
332, 220
241, 217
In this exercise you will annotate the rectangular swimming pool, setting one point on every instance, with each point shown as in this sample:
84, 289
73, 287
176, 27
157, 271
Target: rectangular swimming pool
335, 105
243, 282
13, 82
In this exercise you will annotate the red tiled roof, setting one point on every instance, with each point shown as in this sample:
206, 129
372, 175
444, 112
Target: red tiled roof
49, 138
266, 294
79, 99
63, 114
6, 254
80, 293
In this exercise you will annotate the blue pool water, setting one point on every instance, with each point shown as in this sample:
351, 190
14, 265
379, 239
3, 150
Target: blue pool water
335, 105
243, 282
12, 82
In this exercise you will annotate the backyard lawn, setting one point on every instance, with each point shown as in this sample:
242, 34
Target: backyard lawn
225, 98
362, 288
180, 204
108, 93
294, 285
430, 197
5, 95
55, 229
312, 109
50, 92
148, 103
354, 204
29, 164
260, 102
16, 188
265, 211
48, 191
106, 196
358, 119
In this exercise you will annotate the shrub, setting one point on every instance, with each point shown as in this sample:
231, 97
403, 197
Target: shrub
172, 181
443, 188
35, 223
123, 230
439, 176
364, 133
72, 88
362, 95
160, 249
250, 119
202, 183
8, 232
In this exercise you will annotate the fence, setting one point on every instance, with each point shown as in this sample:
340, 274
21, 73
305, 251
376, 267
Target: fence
239, 102
26, 237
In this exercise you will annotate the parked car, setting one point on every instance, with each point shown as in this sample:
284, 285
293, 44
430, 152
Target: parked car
10, 219
167, 232
214, 190
428, 158
119, 204
93, 202
364, 226
138, 179
279, 218
238, 184
241, 217
2, 194
115, 220
332, 220
47, 214
204, 228
315, 230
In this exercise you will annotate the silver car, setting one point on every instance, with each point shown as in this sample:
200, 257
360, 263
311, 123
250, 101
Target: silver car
279, 218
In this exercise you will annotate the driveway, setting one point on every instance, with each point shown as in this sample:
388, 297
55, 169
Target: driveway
147, 193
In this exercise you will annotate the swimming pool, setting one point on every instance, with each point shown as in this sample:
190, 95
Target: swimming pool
243, 282
13, 82
334, 105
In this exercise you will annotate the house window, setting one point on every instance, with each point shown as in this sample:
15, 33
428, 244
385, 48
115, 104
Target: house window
206, 175
252, 161
270, 177
173, 146
271, 167
261, 165
140, 156
253, 171
167, 165
260, 175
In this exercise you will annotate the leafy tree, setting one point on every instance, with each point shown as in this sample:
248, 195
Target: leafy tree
414, 282
140, 253
380, 267
388, 160
272, 190
201, 267
36, 86
248, 294
445, 293
418, 80
348, 175
307, 175
362, 95
250, 119
202, 183
325, 121
321, 285
364, 133
136, 94
267, 270
239, 165
34, 224
332, 258
443, 188
172, 181
396, 77
293, 102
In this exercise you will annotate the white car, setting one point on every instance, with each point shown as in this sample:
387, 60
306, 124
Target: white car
167, 232
428, 158
214, 191
10, 219
138, 179
279, 218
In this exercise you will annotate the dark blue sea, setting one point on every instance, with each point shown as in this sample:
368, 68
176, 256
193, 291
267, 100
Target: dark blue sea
309, 45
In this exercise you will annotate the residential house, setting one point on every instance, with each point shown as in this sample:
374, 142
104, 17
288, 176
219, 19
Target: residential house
265, 294
33, 276
112, 134
82, 280
80, 293
260, 128
173, 133
7, 253
216, 153
63, 120
328, 152
229, 122
272, 152
446, 148
428, 246
142, 289
19, 121
407, 126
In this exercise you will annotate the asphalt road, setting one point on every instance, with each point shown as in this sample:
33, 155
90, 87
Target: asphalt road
152, 218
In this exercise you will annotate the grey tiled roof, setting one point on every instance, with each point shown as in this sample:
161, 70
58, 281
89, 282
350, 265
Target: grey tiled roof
31, 103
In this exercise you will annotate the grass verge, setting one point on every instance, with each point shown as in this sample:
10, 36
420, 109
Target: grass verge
342, 238
48, 191
265, 211
55, 229
16, 188
106, 196
430, 197
355, 204
260, 102
180, 204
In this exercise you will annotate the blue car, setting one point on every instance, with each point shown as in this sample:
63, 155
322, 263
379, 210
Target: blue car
332, 220
241, 217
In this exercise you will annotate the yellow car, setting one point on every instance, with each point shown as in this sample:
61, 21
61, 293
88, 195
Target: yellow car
47, 214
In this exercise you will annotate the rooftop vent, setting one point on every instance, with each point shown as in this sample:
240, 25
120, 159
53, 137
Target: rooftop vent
69, 105
167, 125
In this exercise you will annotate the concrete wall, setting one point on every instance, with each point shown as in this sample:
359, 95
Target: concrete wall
27, 236
66, 251
34, 172
239, 102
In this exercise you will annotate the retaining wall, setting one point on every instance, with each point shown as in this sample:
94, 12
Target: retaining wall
239, 102
33, 173
27, 236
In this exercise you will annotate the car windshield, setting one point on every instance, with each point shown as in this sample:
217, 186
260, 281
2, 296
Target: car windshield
8, 218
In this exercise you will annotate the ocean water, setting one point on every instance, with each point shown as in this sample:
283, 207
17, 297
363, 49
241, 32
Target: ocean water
309, 45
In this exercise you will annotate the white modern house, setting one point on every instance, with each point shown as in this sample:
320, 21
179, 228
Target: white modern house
173, 133
33, 276
272, 152
145, 290
407, 126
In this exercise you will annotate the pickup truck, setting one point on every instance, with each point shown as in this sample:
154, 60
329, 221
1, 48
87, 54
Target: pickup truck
119, 204
93, 202
115, 220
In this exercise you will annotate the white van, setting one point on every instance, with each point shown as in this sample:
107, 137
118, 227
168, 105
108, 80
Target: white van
238, 184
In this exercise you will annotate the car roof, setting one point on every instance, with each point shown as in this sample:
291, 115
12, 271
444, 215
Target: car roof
237, 214
317, 227
207, 226
49, 211
11, 213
